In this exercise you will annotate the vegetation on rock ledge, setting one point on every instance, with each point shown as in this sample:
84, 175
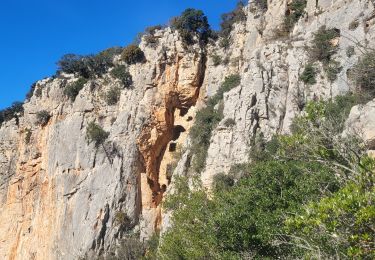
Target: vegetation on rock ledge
192, 24
96, 134
205, 122
284, 203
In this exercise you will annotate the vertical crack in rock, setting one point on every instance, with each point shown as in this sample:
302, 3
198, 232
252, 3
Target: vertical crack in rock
179, 86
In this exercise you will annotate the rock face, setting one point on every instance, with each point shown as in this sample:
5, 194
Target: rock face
361, 122
271, 93
59, 195
62, 194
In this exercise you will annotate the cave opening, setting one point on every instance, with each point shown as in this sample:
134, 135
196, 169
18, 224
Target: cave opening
172, 147
177, 130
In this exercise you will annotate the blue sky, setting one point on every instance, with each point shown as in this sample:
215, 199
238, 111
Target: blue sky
35, 34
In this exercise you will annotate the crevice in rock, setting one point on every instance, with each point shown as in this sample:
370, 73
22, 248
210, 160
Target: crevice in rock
99, 242
155, 139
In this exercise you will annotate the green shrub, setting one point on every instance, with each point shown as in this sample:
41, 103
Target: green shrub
322, 48
42, 117
152, 247
225, 43
96, 134
71, 63
110, 53
293, 203
132, 54
120, 72
14, 111
73, 89
206, 120
216, 59
151, 40
113, 96
244, 217
229, 19
149, 35
296, 11
261, 4
88, 66
38, 92
130, 248
340, 225
192, 23
222, 182
311, 195
153, 29
335, 112
363, 73
332, 69
229, 83
308, 76
185, 241
122, 219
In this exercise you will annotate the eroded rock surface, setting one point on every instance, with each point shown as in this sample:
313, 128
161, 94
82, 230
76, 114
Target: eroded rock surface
59, 195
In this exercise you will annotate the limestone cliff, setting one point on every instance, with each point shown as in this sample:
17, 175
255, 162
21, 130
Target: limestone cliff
59, 194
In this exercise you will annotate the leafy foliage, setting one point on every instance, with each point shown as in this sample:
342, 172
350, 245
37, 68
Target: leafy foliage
364, 73
262, 4
308, 76
149, 35
185, 241
296, 11
42, 117
332, 69
113, 96
242, 218
216, 59
223, 182
96, 134
341, 225
110, 53
192, 23
322, 48
229, 19
259, 210
120, 72
153, 29
88, 66
73, 89
132, 54
130, 248
15, 110
122, 219
225, 43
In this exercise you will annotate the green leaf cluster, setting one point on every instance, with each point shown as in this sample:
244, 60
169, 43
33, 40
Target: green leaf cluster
96, 134
190, 24
73, 89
